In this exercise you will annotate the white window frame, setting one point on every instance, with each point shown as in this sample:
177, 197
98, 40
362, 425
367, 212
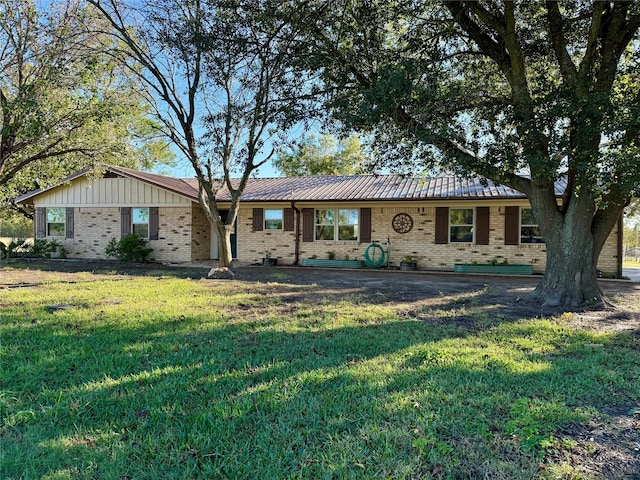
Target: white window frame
472, 225
528, 225
316, 224
336, 224
356, 226
64, 222
281, 219
134, 223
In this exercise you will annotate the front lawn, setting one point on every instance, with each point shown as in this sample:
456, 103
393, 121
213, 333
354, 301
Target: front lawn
130, 377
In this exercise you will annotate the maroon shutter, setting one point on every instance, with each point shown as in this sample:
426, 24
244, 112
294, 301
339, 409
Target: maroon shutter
442, 225
365, 225
68, 223
307, 224
258, 219
482, 226
512, 225
125, 221
41, 222
154, 223
288, 220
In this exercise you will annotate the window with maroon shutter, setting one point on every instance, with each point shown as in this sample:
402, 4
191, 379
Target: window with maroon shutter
273, 218
511, 225
365, 225
307, 224
442, 225
258, 219
482, 226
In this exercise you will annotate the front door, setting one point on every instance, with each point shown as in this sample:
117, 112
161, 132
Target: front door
234, 239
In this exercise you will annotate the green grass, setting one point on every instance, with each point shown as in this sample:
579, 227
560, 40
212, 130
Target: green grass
631, 263
177, 378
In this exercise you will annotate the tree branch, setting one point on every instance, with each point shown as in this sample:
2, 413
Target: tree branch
446, 144
490, 47
567, 68
615, 35
41, 156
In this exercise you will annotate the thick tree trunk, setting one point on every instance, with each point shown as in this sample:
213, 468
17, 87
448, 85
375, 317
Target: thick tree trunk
224, 245
571, 275
573, 248
224, 270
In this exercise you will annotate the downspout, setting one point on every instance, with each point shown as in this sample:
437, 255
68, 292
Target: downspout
297, 234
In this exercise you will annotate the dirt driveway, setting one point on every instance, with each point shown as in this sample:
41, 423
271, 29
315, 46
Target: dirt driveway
509, 293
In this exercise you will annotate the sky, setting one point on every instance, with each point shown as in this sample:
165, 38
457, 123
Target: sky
183, 169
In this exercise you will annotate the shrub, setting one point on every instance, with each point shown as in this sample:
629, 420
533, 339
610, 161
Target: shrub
130, 248
42, 248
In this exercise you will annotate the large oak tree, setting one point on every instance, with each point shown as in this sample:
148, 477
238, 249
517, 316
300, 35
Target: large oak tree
528, 94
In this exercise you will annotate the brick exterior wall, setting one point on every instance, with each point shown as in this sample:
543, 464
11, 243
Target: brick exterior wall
174, 236
200, 235
252, 246
418, 243
608, 260
95, 226
185, 236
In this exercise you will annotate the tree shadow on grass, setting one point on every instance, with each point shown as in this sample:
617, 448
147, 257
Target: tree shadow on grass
107, 267
283, 392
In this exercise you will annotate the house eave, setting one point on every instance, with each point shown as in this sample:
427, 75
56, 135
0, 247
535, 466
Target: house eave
107, 168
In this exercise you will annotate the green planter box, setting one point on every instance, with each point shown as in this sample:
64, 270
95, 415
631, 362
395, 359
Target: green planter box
516, 269
316, 262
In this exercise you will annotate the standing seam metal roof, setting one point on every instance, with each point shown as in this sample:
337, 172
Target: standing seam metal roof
369, 187
335, 188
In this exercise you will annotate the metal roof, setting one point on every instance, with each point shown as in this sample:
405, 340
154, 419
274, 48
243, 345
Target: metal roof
332, 187
371, 187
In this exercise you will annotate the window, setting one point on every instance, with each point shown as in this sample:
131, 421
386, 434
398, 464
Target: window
140, 222
325, 224
529, 230
348, 224
461, 225
346, 228
55, 222
273, 220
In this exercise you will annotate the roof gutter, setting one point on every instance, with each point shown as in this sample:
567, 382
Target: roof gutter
296, 243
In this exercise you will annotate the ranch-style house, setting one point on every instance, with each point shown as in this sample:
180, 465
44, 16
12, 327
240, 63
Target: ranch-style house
439, 222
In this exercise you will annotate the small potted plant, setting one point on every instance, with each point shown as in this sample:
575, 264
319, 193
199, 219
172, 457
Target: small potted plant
267, 260
408, 263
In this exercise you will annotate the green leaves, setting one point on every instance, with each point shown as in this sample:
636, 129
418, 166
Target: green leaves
64, 103
322, 156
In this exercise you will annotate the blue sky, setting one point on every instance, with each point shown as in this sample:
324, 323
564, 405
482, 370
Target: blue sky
184, 170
